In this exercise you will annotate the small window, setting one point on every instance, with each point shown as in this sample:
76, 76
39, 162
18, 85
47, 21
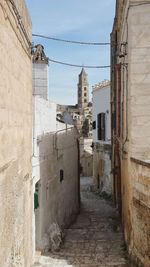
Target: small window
36, 196
94, 125
61, 175
101, 126
84, 94
84, 88
85, 101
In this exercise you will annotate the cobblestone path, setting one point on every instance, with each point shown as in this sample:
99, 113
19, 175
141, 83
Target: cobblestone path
94, 240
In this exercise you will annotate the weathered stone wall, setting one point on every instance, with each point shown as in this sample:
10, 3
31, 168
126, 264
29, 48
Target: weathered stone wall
139, 80
86, 157
137, 207
102, 168
15, 137
140, 177
133, 32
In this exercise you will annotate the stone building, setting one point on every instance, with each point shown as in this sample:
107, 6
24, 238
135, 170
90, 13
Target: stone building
102, 138
55, 183
130, 108
15, 134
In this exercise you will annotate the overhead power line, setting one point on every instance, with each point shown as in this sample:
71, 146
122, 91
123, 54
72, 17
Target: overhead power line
69, 41
77, 66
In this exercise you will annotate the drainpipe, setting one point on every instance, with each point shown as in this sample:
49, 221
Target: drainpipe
78, 149
118, 70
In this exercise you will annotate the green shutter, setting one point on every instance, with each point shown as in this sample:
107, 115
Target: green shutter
36, 200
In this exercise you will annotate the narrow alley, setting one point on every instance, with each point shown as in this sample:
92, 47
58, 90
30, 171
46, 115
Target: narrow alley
95, 239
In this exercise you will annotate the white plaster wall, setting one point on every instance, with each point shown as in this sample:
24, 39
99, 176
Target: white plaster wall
44, 122
59, 201
40, 79
101, 103
48, 158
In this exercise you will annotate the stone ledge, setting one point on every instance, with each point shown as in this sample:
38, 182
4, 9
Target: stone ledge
140, 162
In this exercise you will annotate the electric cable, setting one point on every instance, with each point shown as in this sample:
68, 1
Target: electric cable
69, 41
77, 66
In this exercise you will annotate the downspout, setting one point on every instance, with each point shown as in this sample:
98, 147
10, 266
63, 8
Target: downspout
113, 109
78, 149
118, 132
118, 70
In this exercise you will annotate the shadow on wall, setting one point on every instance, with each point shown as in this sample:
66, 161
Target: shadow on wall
59, 182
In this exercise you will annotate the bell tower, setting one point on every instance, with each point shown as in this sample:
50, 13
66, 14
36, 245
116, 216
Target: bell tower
83, 90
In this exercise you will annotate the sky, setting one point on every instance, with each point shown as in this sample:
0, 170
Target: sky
80, 20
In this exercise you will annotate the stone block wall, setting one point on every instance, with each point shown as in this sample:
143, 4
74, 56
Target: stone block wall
86, 157
139, 79
15, 137
140, 177
131, 30
40, 79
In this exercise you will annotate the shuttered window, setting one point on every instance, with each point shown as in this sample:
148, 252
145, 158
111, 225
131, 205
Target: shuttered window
101, 126
94, 125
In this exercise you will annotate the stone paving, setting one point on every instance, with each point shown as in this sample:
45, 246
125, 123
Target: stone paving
94, 240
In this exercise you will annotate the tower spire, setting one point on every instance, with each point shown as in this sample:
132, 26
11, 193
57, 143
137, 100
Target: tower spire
83, 90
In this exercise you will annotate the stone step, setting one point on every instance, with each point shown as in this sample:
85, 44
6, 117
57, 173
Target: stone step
79, 265
80, 262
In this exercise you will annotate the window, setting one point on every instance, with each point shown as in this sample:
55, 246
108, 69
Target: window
84, 88
36, 196
61, 175
84, 94
94, 125
101, 126
84, 100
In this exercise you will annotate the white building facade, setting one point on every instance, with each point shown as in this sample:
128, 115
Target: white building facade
55, 183
101, 105
102, 137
